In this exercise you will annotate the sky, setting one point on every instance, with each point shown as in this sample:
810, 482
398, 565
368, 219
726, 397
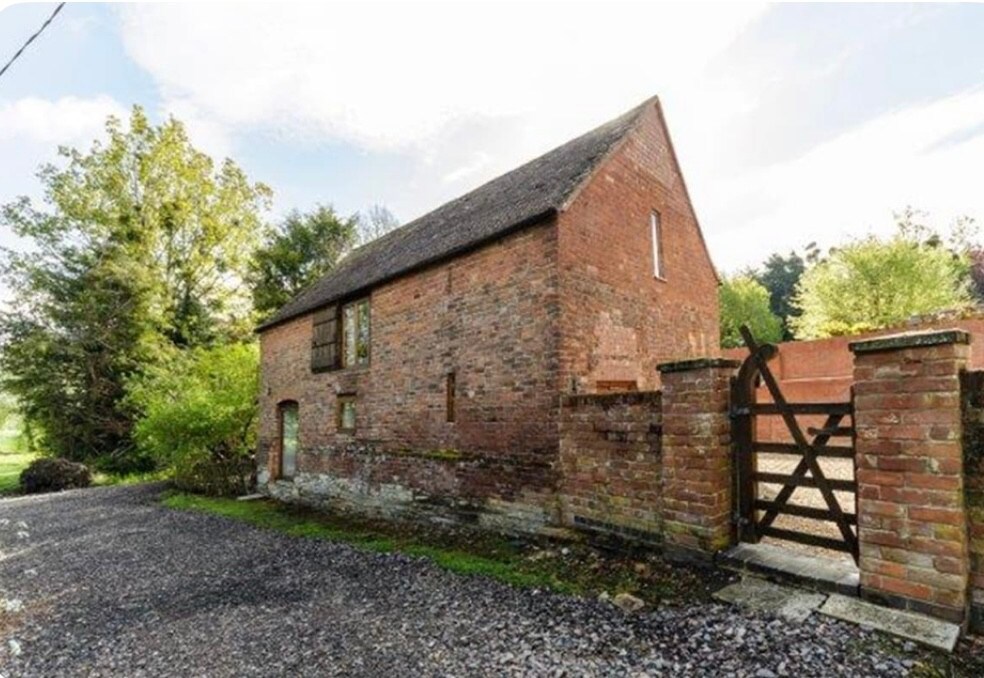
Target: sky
793, 123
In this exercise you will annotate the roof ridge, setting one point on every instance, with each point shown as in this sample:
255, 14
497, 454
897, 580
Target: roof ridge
522, 196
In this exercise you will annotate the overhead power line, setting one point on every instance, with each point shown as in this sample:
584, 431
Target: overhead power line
32, 38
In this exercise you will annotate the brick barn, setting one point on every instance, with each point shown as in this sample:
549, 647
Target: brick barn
423, 377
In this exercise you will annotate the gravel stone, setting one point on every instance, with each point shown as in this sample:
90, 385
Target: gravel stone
126, 587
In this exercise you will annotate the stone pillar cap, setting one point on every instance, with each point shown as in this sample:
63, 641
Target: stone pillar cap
895, 342
697, 364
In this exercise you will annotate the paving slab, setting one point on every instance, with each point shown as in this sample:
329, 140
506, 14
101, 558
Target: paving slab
792, 604
822, 574
911, 625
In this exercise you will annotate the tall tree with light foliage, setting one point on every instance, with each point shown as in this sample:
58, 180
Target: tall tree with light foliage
745, 301
872, 283
374, 223
141, 243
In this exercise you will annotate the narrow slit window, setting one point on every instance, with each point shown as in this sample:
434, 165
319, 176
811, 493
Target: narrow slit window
346, 414
657, 237
450, 393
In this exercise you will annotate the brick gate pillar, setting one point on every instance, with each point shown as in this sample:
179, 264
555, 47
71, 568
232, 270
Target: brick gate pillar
911, 518
697, 478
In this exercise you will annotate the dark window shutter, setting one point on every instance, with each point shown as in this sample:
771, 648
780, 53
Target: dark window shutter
324, 341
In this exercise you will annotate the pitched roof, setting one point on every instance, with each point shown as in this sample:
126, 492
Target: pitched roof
526, 195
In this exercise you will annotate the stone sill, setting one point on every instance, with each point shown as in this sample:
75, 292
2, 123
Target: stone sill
905, 340
698, 364
619, 397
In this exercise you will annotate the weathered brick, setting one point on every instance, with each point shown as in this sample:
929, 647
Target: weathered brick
910, 481
537, 315
701, 465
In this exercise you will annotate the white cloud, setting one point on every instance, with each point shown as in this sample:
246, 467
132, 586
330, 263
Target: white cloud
460, 91
389, 75
467, 90
930, 156
69, 120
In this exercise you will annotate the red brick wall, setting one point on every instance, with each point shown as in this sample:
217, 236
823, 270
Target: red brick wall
697, 456
491, 317
610, 463
821, 370
911, 511
972, 390
518, 321
618, 320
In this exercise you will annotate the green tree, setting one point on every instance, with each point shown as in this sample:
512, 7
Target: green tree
780, 275
299, 251
745, 301
80, 324
871, 283
200, 415
141, 243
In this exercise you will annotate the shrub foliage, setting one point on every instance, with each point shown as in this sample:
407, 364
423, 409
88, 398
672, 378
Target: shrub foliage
745, 301
199, 417
53, 475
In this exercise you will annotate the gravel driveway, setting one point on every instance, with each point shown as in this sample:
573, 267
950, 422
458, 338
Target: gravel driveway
112, 584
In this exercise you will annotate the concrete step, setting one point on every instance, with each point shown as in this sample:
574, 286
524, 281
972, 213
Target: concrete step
779, 564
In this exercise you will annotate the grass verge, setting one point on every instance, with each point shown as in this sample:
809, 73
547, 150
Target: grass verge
11, 465
576, 568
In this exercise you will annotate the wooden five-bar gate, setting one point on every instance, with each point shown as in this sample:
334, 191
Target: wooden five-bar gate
755, 516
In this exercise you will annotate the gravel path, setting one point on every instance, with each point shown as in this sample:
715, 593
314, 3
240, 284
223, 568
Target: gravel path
112, 584
840, 469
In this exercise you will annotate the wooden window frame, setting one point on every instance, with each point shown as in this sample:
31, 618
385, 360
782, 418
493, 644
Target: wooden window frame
343, 355
656, 236
340, 402
326, 340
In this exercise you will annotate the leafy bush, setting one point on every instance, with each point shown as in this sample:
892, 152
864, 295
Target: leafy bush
872, 283
198, 417
53, 475
745, 301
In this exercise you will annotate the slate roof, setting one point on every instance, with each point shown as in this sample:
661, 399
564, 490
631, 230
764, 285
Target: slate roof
525, 196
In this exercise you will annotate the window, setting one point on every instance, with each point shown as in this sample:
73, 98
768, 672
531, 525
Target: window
449, 394
346, 414
340, 337
288, 438
324, 340
657, 235
355, 333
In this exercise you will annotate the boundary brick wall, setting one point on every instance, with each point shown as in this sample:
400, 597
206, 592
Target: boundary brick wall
821, 370
611, 464
697, 457
911, 511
